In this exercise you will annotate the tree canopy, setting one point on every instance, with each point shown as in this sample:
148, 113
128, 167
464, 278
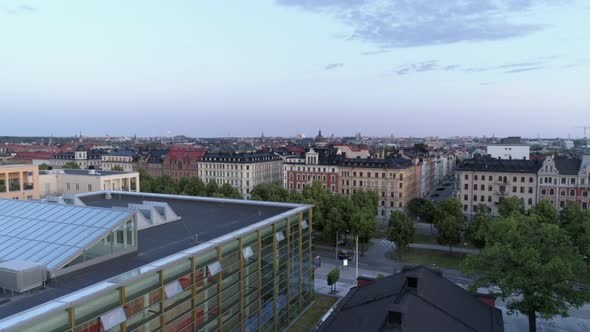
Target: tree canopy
400, 230
533, 262
71, 165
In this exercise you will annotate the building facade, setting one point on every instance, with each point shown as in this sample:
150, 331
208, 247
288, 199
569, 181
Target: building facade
19, 181
509, 151
320, 165
242, 171
393, 179
564, 180
487, 181
74, 181
118, 159
182, 162
86, 159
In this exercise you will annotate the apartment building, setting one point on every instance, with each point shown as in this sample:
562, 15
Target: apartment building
182, 162
243, 171
393, 179
19, 181
563, 180
315, 165
487, 181
86, 159
76, 181
122, 159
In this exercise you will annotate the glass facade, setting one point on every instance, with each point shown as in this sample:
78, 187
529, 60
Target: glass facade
260, 281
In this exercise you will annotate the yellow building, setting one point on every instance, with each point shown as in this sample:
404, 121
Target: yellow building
19, 181
394, 181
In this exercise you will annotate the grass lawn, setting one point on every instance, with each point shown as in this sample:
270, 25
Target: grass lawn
443, 259
310, 318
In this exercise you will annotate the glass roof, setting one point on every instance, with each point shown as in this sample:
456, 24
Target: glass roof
51, 234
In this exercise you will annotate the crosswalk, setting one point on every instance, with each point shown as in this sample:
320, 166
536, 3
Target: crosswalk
383, 243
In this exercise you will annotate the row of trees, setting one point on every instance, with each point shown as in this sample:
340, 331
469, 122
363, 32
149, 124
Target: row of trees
333, 213
193, 186
447, 217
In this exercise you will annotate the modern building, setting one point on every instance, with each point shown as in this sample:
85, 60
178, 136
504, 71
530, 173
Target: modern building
393, 179
242, 171
417, 299
563, 180
487, 181
509, 151
118, 159
192, 264
86, 159
76, 181
19, 181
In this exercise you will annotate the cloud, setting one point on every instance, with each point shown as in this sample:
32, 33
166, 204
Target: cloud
21, 9
403, 23
427, 66
333, 66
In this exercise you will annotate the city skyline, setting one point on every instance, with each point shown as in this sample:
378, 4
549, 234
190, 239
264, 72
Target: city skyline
285, 67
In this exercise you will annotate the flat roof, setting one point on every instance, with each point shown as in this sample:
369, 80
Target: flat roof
210, 218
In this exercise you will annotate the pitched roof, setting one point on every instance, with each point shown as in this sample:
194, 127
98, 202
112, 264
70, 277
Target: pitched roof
395, 163
435, 305
568, 166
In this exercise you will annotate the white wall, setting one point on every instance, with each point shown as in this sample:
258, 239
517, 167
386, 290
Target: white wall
509, 151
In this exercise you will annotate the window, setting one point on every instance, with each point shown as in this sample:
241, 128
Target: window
522, 190
514, 179
514, 189
530, 201
561, 204
572, 193
531, 179
551, 192
573, 181
490, 178
401, 185
482, 187
466, 177
562, 193
466, 197
482, 198
475, 187
530, 190
562, 180
585, 194
584, 205
466, 186
475, 198
475, 177
490, 199
464, 207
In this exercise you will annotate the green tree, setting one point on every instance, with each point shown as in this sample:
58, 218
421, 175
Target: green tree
450, 207
366, 199
427, 212
228, 191
117, 168
400, 230
211, 188
145, 180
364, 226
531, 262
333, 277
414, 207
43, 167
449, 231
272, 192
195, 187
545, 211
164, 185
575, 222
334, 223
71, 165
476, 229
510, 205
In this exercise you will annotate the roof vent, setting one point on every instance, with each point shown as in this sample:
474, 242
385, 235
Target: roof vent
91, 171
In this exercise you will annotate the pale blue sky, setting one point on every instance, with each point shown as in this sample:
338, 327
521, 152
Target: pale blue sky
209, 68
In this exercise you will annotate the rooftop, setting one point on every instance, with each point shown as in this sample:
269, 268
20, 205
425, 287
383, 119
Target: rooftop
210, 218
486, 164
432, 304
83, 172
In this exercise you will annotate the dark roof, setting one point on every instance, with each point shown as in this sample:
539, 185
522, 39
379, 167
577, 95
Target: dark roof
239, 157
376, 163
208, 219
436, 304
122, 153
500, 165
568, 166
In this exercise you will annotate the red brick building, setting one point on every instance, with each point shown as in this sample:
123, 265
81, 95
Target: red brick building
182, 161
314, 165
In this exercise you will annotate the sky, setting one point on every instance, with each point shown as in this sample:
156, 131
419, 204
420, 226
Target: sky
206, 68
